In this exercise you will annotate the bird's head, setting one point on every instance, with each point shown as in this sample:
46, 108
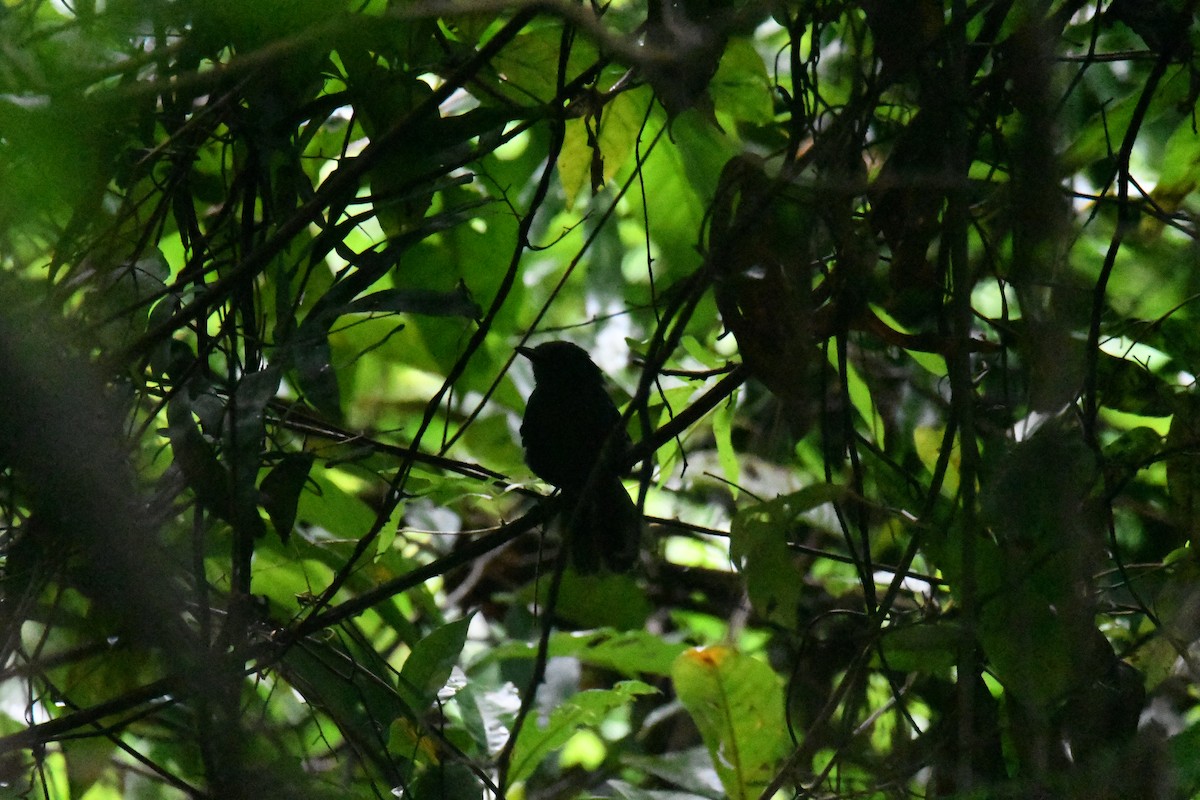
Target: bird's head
561, 362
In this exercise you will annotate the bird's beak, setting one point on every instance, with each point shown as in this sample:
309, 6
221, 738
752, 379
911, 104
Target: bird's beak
526, 351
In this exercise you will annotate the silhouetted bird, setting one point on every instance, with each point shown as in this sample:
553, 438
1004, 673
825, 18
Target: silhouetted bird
568, 423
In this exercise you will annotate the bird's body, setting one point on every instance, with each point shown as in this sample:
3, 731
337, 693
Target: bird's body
573, 437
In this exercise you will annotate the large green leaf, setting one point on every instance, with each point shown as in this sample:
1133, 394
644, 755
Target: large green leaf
737, 703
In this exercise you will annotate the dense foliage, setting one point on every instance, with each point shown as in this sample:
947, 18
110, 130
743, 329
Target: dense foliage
896, 297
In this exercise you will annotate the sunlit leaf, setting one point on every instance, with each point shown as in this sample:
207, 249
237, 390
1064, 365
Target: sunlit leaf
741, 88
722, 422
737, 703
586, 709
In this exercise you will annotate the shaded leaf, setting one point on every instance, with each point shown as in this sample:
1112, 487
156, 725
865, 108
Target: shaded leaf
1183, 467
197, 458
316, 377
428, 666
1128, 386
280, 491
758, 546
417, 301
930, 649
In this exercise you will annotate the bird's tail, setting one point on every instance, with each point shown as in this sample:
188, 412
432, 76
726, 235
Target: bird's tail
603, 527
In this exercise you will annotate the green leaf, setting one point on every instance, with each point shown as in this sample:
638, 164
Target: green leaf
927, 442
1179, 165
758, 547
931, 649
628, 652
860, 397
325, 504
602, 600
1182, 748
741, 88
1094, 141
529, 65
352, 685
675, 202
428, 666
585, 710
722, 426
280, 491
619, 125
315, 375
737, 703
